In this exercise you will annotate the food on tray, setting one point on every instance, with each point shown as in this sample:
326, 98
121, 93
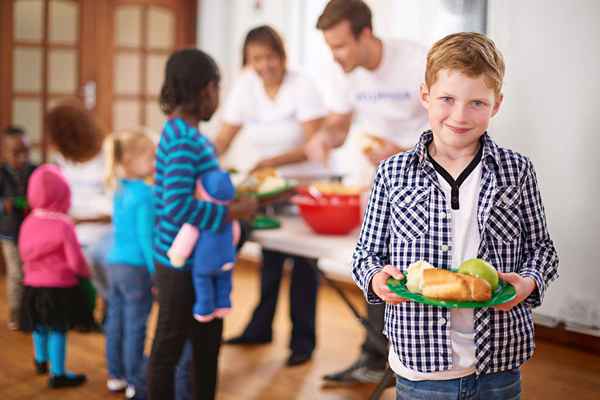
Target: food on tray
264, 173
271, 183
371, 143
480, 269
414, 278
335, 188
441, 284
263, 180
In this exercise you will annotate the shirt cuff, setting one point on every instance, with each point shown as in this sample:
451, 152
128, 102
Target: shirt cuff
536, 297
370, 295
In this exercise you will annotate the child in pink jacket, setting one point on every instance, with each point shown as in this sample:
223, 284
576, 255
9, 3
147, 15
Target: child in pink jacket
53, 264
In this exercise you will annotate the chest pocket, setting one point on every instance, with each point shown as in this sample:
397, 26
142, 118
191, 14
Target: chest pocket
410, 212
504, 220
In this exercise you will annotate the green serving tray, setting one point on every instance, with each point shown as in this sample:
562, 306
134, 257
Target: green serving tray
504, 293
264, 222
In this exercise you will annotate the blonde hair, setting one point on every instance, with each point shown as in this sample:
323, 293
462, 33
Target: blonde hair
120, 146
471, 53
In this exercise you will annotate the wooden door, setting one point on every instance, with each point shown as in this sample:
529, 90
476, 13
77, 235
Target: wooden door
141, 35
109, 53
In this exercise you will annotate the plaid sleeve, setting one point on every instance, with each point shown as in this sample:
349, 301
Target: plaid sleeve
540, 256
371, 252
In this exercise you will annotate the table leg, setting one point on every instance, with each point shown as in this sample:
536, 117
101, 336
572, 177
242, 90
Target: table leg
384, 383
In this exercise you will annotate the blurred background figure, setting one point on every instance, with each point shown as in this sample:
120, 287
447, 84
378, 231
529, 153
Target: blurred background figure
280, 110
15, 170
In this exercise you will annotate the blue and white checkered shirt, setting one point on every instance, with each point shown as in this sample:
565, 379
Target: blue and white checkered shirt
407, 220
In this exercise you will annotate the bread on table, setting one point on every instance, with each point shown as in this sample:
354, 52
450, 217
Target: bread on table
441, 284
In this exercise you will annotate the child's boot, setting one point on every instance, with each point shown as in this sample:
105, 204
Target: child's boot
59, 377
41, 367
40, 350
66, 380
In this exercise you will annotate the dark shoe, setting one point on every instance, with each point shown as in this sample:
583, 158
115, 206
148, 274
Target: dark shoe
243, 340
40, 367
297, 359
61, 381
359, 372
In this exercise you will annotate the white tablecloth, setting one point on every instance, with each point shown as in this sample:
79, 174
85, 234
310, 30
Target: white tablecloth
334, 252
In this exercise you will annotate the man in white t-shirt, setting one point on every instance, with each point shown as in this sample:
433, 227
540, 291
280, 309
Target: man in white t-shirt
376, 87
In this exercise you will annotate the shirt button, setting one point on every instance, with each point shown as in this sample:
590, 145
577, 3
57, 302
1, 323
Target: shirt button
444, 247
442, 321
443, 215
407, 199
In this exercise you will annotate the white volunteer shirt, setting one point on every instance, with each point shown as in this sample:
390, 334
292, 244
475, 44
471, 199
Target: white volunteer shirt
273, 126
465, 243
385, 101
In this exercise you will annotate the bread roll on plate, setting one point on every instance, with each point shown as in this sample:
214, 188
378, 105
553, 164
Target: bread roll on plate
414, 276
441, 284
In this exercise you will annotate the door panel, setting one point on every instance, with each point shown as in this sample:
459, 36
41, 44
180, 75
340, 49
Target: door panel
109, 53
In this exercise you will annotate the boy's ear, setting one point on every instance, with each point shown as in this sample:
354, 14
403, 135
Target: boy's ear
497, 104
424, 95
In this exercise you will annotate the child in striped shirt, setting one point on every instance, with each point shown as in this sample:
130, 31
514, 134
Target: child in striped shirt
190, 94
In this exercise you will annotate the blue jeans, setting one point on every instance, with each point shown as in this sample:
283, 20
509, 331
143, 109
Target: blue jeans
95, 254
183, 380
129, 304
499, 386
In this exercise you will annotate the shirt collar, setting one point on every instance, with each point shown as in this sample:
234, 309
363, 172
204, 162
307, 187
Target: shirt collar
489, 156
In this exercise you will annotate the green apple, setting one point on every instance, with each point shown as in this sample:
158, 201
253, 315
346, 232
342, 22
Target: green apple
480, 269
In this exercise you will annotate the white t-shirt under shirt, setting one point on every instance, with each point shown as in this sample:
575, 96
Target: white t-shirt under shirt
273, 126
385, 101
465, 245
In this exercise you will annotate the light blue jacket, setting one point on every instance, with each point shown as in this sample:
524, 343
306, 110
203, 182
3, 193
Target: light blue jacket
133, 225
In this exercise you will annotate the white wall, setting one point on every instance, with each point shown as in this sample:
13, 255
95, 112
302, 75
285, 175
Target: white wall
551, 113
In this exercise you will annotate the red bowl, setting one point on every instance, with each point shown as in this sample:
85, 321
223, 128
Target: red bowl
329, 216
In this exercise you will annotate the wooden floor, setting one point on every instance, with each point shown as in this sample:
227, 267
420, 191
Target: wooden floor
259, 373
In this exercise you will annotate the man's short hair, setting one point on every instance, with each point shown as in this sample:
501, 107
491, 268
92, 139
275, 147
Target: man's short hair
357, 12
471, 53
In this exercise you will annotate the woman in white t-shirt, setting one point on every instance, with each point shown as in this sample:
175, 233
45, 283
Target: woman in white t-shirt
279, 110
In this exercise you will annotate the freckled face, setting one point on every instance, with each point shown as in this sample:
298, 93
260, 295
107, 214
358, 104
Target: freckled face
460, 108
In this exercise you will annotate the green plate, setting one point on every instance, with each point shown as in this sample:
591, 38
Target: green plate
264, 222
289, 185
504, 293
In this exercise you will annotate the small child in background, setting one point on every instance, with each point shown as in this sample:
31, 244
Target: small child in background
53, 263
15, 171
214, 251
130, 264
53, 301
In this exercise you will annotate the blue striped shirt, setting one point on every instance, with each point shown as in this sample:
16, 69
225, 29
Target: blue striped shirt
182, 156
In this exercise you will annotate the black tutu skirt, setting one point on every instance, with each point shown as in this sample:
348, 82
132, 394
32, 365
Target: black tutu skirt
58, 309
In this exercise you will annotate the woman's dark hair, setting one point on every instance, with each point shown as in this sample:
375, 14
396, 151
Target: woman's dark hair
266, 36
187, 72
74, 132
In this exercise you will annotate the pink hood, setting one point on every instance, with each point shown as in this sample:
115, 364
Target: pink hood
48, 189
48, 245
